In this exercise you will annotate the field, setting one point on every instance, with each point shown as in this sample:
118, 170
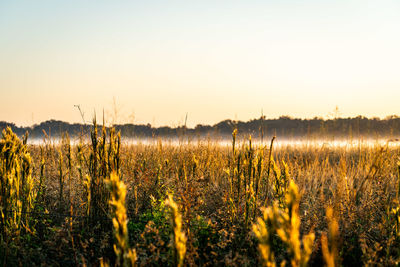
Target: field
102, 201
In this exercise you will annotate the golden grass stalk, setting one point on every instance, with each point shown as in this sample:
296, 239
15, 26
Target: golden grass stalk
125, 255
329, 243
398, 179
264, 236
16, 184
60, 179
179, 237
286, 224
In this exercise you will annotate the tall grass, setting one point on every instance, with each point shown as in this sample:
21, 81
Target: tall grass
179, 238
126, 256
285, 223
17, 194
239, 204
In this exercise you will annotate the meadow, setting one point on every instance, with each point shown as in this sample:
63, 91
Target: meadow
98, 201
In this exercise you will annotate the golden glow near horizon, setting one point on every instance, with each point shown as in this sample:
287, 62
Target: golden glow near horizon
214, 61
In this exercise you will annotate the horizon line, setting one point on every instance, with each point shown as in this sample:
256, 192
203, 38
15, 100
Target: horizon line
324, 118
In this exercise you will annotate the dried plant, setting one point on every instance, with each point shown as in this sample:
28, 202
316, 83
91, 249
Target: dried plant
179, 237
329, 242
286, 224
126, 256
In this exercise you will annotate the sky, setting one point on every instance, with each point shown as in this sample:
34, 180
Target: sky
156, 61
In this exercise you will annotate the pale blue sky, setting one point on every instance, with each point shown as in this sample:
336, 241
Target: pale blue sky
212, 59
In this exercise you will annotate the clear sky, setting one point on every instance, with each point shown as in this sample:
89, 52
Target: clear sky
214, 60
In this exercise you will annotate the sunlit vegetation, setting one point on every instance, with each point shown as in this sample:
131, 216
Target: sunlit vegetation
100, 201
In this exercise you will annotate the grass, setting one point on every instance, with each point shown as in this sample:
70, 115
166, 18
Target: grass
242, 204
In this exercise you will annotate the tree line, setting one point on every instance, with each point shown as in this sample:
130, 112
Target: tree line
284, 127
